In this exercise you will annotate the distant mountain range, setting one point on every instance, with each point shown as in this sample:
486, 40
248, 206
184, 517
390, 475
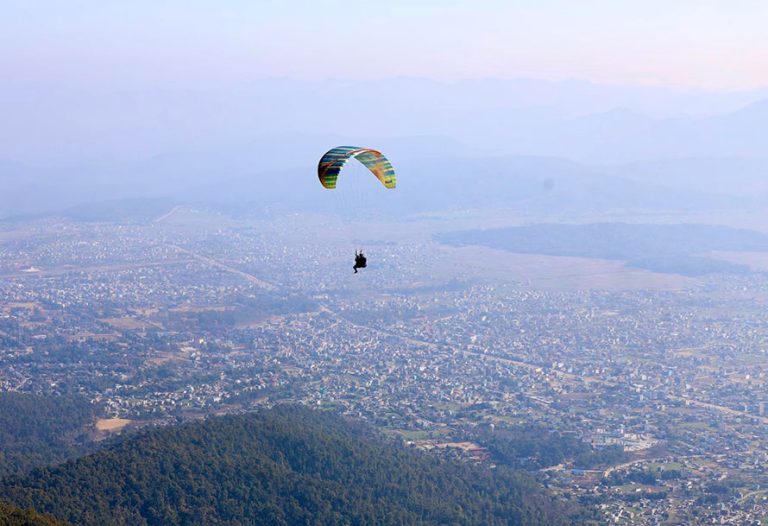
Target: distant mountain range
528, 185
578, 120
585, 146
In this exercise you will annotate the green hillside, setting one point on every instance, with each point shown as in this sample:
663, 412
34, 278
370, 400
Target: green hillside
284, 466
37, 431
10, 516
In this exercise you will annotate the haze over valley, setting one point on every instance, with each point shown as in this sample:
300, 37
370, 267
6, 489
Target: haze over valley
561, 318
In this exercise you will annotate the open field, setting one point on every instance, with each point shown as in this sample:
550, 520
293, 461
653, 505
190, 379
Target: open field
164, 357
112, 425
549, 272
127, 324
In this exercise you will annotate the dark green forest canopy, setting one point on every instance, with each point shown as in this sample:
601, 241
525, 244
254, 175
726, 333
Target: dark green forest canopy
37, 431
289, 465
11, 516
677, 249
536, 447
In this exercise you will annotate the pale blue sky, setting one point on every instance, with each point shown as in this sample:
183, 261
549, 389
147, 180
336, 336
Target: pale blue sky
712, 44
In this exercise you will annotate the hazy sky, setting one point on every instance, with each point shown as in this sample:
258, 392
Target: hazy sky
713, 44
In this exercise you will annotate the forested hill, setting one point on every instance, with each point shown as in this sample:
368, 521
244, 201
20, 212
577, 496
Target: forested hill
284, 466
10, 516
38, 431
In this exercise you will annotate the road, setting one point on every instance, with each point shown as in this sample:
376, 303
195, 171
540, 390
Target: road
250, 278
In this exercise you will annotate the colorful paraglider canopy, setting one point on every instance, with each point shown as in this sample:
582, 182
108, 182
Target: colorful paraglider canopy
331, 163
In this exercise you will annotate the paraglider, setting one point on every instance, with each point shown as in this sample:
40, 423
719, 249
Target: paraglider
333, 161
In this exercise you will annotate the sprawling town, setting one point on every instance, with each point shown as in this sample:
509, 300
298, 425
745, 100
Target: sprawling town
190, 315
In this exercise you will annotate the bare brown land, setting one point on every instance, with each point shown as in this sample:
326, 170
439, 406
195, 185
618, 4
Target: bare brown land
112, 425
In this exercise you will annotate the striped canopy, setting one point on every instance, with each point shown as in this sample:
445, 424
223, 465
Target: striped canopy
331, 163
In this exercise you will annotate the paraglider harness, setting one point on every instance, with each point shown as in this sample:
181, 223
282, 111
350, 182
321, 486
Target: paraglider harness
360, 261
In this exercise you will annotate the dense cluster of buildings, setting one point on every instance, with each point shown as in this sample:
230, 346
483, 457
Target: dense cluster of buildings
157, 323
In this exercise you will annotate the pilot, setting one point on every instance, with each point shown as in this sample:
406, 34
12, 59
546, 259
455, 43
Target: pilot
360, 261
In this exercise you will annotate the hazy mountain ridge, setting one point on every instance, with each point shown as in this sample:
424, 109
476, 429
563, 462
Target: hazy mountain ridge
526, 183
744, 177
572, 119
197, 146
180, 144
